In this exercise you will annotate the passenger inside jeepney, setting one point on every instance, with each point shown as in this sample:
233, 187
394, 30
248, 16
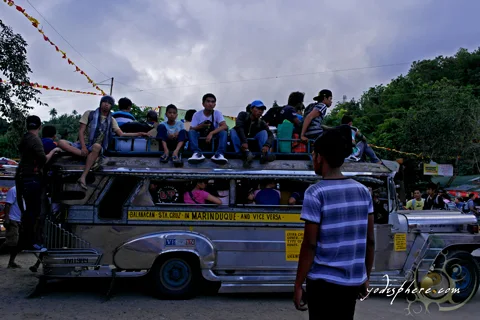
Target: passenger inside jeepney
267, 194
198, 195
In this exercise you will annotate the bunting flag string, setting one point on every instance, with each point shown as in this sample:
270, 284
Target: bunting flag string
40, 86
397, 151
35, 23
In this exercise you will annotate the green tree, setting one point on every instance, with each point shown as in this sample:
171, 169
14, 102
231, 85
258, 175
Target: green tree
15, 91
432, 111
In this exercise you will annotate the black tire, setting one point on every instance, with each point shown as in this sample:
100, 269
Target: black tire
175, 277
463, 273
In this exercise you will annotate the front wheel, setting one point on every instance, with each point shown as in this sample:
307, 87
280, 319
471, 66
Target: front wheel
456, 280
175, 277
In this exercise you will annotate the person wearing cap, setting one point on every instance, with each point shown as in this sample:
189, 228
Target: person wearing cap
29, 183
250, 125
314, 115
95, 133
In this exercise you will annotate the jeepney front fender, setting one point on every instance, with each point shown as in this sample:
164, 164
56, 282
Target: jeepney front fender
140, 253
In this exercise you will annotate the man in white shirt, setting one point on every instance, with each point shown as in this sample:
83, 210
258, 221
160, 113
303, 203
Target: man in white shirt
208, 123
13, 218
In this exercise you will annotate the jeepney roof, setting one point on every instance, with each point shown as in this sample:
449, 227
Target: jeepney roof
281, 168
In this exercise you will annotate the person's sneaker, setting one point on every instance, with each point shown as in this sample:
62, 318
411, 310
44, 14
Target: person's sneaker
219, 159
39, 247
196, 158
267, 157
353, 158
13, 265
247, 159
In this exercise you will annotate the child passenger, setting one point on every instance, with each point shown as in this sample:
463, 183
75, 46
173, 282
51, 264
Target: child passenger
172, 135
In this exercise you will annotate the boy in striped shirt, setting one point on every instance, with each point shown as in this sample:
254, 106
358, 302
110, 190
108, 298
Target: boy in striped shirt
336, 256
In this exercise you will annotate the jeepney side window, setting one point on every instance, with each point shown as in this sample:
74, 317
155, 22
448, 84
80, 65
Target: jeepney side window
172, 191
111, 205
281, 192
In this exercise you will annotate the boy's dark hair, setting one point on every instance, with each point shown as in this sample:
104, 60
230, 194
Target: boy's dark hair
346, 119
323, 94
49, 132
432, 186
189, 114
209, 95
295, 98
33, 122
335, 144
124, 104
460, 199
471, 195
248, 108
171, 106
152, 115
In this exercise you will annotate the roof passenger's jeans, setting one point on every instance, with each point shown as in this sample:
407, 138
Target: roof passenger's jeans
261, 138
193, 137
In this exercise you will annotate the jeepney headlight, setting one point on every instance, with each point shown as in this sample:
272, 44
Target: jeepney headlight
2, 228
473, 228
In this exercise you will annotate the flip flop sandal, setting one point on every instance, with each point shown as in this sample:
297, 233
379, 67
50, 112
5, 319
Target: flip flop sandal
164, 158
176, 159
83, 185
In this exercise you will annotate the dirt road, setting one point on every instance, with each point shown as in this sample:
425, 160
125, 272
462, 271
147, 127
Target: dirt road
81, 299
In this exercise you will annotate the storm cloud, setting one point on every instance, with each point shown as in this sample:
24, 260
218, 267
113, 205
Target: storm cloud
162, 52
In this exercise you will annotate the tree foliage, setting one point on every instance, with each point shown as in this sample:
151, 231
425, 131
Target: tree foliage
432, 111
15, 93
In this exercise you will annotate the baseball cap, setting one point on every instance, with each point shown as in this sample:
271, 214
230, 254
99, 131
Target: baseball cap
323, 94
257, 104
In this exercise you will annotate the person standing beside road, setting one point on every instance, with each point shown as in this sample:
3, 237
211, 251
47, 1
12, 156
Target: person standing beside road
470, 204
12, 222
434, 201
337, 252
416, 203
29, 184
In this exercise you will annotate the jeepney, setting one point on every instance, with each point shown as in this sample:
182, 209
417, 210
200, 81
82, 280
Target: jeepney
132, 222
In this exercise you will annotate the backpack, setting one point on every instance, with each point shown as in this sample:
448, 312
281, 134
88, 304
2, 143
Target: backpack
465, 207
272, 117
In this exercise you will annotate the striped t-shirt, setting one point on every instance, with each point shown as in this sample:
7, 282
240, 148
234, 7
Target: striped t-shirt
341, 208
315, 128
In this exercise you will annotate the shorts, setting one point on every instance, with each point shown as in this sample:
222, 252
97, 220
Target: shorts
79, 146
12, 234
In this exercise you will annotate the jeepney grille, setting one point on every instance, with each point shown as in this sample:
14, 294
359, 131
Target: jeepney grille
57, 237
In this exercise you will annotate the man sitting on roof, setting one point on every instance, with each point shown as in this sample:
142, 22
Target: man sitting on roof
361, 147
250, 125
314, 115
208, 123
94, 135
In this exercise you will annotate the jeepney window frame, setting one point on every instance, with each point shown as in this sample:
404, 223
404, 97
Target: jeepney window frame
124, 216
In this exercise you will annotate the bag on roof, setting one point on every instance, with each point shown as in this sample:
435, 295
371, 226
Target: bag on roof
272, 117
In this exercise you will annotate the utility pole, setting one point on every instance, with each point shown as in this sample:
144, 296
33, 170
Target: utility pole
111, 86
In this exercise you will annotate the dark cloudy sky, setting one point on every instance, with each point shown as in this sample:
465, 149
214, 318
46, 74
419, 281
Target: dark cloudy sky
177, 50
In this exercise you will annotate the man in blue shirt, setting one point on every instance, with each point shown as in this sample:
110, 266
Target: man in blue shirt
336, 256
